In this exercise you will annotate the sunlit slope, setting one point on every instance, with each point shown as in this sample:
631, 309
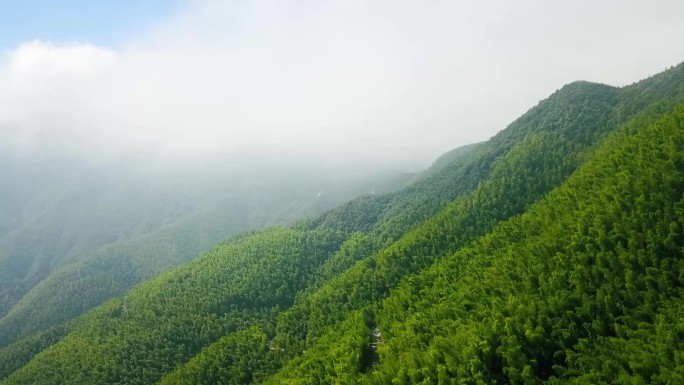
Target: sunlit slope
521, 158
585, 287
349, 264
531, 168
310, 316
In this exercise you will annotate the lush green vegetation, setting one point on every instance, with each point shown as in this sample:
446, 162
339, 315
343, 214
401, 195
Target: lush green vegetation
585, 287
78, 238
550, 253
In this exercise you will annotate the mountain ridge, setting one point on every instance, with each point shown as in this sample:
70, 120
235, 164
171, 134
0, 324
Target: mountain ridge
303, 303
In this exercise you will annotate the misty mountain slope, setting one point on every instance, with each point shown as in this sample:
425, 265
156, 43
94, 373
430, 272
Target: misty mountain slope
54, 300
521, 174
391, 216
208, 366
139, 338
493, 149
99, 235
367, 283
261, 300
560, 147
585, 287
378, 197
373, 278
228, 289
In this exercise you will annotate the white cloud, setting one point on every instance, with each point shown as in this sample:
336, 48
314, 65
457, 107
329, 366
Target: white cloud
43, 87
43, 59
367, 81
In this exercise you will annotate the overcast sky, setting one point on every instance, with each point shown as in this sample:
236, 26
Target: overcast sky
352, 81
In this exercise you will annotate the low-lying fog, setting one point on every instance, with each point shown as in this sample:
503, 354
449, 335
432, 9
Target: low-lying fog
356, 85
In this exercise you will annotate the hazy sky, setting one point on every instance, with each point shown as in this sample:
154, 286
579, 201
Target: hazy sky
352, 81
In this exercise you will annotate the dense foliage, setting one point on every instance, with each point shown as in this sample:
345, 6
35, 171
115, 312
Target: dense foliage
587, 286
76, 236
550, 253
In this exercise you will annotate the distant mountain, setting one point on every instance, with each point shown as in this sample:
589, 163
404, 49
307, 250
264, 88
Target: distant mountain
550, 253
74, 235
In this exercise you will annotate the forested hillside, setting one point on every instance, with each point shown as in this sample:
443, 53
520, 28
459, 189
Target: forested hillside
585, 287
550, 253
74, 236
